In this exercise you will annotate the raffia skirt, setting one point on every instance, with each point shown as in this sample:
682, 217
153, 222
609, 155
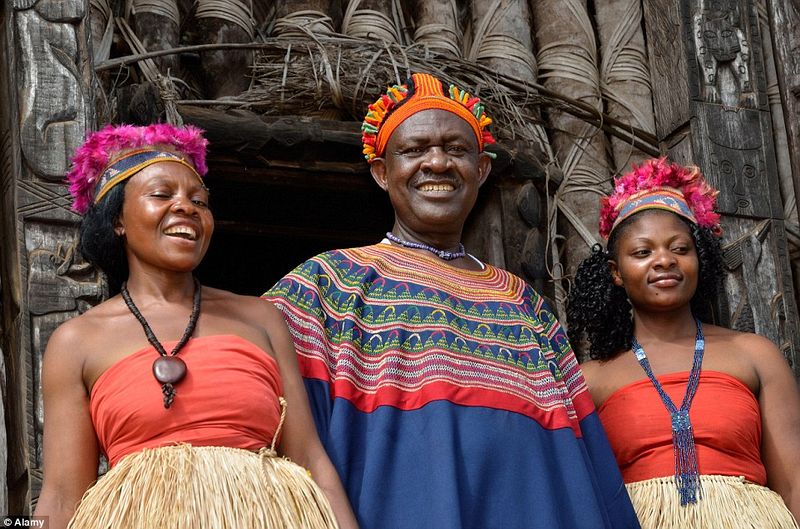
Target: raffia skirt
186, 487
727, 502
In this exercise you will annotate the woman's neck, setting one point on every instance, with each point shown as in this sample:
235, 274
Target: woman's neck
169, 287
664, 326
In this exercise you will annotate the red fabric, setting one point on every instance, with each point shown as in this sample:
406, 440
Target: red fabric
229, 397
725, 416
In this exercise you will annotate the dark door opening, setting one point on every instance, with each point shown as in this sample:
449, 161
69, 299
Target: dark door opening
269, 221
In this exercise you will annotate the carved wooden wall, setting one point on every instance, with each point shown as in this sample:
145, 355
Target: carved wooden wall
711, 110
49, 108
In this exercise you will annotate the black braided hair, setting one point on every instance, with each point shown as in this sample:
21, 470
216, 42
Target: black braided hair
599, 312
99, 244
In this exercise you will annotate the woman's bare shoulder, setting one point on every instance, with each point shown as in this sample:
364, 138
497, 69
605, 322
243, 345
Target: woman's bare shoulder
740, 343
87, 327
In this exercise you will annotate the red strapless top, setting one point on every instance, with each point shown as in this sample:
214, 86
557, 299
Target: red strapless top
229, 397
725, 416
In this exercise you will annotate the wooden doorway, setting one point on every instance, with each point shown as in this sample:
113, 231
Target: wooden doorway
268, 222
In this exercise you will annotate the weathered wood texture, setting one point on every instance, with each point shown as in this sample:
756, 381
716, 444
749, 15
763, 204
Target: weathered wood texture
44, 284
501, 38
3, 437
666, 49
8, 471
724, 127
782, 154
501, 42
755, 255
223, 72
437, 26
158, 29
298, 18
784, 17
567, 57
624, 73
373, 19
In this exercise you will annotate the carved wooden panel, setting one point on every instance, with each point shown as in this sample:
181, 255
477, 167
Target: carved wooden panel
48, 114
735, 149
666, 48
15, 415
703, 50
727, 132
726, 46
59, 286
52, 109
760, 296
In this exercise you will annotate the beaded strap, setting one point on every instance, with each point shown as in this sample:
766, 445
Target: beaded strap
687, 477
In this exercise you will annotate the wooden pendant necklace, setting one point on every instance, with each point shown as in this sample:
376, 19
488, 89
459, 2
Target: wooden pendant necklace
168, 369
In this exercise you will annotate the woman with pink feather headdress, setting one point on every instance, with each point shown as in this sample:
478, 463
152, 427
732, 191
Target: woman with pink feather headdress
190, 416
704, 421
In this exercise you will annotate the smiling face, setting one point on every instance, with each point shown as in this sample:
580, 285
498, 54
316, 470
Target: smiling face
656, 262
165, 219
432, 171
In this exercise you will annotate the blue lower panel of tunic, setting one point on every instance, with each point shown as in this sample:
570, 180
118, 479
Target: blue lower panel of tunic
446, 466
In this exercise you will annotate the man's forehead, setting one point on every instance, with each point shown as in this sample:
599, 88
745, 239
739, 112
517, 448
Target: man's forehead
434, 122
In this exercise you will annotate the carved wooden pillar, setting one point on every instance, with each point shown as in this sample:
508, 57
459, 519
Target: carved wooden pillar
784, 17
3, 434
46, 111
711, 110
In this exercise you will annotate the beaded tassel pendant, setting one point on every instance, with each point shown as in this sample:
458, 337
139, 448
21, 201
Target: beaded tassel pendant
687, 478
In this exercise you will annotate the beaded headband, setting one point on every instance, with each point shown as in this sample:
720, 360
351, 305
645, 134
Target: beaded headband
133, 162
659, 184
100, 153
422, 92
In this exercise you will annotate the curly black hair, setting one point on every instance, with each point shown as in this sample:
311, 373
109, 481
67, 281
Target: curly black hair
598, 311
99, 244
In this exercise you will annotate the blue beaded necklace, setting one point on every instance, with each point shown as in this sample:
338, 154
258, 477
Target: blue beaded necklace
442, 254
687, 477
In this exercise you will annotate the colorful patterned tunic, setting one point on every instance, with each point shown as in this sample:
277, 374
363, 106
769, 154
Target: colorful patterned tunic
447, 398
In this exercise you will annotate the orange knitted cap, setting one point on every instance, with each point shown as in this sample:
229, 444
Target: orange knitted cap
424, 93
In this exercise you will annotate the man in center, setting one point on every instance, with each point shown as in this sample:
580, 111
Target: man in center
444, 388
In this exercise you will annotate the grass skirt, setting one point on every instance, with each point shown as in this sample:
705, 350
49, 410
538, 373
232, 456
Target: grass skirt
186, 487
727, 502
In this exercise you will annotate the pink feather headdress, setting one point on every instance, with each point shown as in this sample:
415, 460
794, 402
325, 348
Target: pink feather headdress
103, 146
659, 184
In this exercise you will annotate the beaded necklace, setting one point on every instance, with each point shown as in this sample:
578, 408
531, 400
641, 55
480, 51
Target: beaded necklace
441, 254
167, 369
687, 478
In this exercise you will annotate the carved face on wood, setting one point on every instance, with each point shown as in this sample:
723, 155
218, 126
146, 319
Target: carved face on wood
432, 170
721, 38
165, 221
